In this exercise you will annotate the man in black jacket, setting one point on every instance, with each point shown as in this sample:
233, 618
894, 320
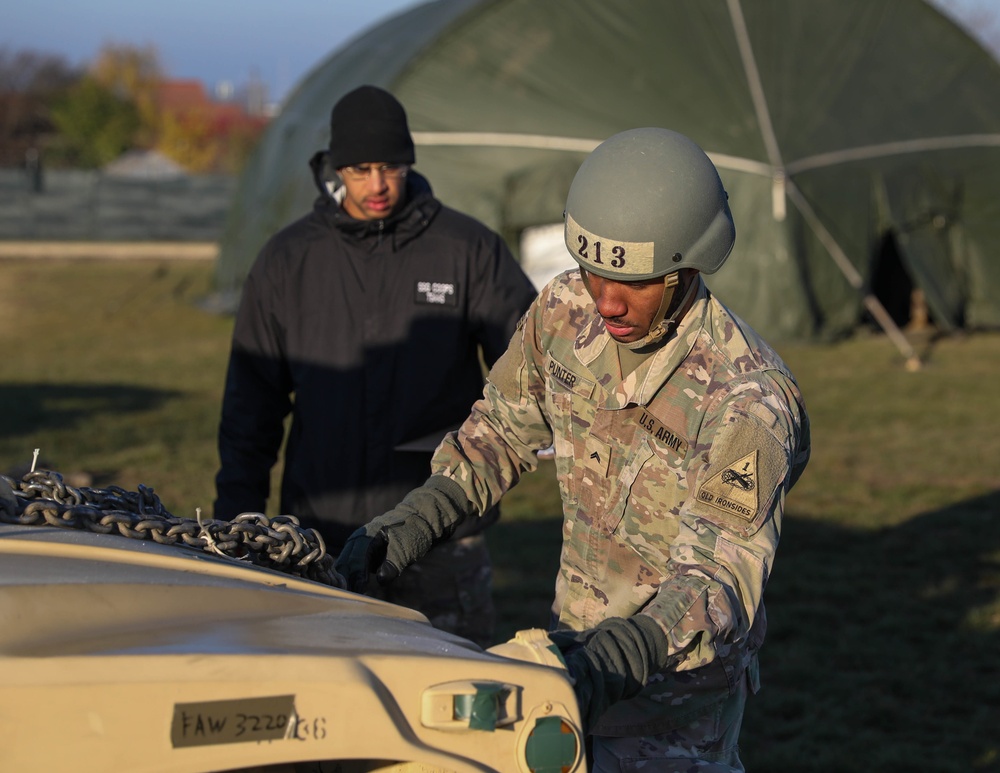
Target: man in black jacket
364, 320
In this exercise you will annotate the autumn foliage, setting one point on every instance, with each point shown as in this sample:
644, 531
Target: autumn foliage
200, 134
121, 101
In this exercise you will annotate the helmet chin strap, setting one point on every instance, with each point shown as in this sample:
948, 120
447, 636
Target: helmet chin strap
662, 325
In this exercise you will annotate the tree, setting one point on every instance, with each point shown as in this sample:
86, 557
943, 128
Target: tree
95, 125
188, 138
202, 134
51, 112
29, 81
133, 73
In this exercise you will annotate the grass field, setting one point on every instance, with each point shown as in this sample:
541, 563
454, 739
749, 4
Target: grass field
884, 646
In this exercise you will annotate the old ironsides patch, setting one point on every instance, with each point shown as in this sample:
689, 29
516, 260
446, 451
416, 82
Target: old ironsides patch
734, 489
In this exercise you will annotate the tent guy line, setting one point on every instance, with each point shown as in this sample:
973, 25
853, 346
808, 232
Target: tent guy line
898, 148
843, 263
570, 144
721, 160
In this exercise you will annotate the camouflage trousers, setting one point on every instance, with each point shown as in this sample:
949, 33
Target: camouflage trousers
707, 744
452, 586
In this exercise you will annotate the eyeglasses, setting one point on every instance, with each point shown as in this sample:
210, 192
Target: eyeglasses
359, 172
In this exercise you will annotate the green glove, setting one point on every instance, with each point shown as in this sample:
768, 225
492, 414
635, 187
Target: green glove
389, 543
612, 661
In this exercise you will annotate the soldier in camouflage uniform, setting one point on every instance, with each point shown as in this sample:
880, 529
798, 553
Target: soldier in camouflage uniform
677, 434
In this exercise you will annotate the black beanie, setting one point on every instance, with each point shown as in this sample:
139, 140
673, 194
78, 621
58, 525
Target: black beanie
369, 125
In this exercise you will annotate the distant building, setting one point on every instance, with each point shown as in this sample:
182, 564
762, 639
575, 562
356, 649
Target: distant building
144, 165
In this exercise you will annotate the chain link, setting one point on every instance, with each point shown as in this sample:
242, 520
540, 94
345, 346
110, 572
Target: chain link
41, 498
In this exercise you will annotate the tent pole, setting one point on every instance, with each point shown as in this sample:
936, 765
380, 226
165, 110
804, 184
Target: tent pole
842, 262
782, 184
755, 85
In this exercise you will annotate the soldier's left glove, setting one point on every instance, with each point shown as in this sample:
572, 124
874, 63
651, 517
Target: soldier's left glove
389, 543
611, 661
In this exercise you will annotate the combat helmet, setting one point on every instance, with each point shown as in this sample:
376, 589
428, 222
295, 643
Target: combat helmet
646, 203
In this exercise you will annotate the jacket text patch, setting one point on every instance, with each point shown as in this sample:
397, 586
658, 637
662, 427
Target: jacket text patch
439, 293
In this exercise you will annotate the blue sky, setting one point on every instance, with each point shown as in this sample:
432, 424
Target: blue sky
276, 41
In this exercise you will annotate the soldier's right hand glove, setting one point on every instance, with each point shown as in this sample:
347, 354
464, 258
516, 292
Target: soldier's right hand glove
611, 661
389, 543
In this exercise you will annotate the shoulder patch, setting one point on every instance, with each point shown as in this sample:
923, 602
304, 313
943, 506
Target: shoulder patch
747, 466
734, 489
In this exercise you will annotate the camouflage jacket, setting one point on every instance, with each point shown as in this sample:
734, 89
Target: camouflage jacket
673, 481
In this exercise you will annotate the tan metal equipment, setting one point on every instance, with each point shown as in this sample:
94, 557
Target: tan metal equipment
128, 655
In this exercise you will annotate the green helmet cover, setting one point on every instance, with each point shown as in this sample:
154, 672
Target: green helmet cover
645, 203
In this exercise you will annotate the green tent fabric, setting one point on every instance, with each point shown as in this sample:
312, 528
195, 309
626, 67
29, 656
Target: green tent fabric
839, 127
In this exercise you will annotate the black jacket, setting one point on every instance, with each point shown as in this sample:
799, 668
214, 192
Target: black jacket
367, 332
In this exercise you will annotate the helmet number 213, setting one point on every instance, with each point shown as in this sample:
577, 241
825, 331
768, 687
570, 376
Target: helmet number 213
617, 252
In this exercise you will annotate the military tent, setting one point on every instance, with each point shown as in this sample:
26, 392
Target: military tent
859, 140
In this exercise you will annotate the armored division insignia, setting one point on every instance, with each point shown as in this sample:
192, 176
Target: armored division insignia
734, 489
741, 479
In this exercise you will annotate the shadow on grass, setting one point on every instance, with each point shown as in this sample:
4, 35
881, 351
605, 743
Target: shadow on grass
525, 563
30, 408
883, 652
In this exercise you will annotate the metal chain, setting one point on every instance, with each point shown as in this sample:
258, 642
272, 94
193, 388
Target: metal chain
41, 498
